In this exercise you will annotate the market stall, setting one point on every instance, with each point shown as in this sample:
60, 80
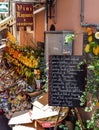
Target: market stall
21, 75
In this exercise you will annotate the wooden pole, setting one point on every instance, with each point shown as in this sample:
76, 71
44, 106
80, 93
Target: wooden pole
79, 118
55, 128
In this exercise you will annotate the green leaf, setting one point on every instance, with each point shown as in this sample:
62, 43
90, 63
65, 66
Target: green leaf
69, 38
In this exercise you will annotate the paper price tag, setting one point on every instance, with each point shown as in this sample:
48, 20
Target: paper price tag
46, 125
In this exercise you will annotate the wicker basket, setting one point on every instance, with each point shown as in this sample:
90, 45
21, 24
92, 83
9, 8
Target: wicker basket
52, 121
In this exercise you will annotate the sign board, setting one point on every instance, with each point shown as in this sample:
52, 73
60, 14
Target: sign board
66, 82
4, 7
24, 15
55, 43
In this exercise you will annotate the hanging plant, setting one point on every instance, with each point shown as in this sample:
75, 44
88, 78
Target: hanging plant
90, 96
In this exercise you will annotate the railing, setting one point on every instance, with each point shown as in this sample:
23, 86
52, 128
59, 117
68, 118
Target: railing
9, 21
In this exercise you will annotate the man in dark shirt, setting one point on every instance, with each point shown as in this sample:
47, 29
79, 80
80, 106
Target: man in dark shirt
4, 122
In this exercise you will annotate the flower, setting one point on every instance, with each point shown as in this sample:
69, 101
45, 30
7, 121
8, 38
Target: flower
89, 31
96, 50
93, 44
97, 35
90, 38
87, 48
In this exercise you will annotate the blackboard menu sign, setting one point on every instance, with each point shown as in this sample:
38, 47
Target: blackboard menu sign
65, 80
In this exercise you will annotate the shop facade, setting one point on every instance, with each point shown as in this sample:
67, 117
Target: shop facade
65, 16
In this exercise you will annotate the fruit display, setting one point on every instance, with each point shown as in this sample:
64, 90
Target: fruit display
20, 68
13, 92
25, 61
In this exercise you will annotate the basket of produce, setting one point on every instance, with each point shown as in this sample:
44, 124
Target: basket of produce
53, 115
54, 120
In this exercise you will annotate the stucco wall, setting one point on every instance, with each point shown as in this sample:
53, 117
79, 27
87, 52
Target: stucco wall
68, 18
39, 26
